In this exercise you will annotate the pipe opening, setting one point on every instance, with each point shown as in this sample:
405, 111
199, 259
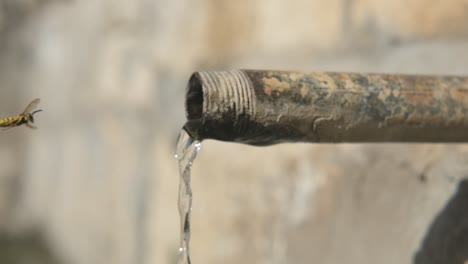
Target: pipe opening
194, 99
194, 106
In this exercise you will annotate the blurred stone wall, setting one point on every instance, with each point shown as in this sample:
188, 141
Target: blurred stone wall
97, 183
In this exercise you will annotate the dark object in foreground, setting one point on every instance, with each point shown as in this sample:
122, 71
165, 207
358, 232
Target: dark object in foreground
268, 107
446, 241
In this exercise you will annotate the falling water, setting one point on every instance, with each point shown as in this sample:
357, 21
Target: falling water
187, 150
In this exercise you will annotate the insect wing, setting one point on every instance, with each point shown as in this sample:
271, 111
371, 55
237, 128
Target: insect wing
31, 105
31, 126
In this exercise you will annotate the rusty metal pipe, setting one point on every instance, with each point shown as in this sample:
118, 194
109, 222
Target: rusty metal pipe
268, 107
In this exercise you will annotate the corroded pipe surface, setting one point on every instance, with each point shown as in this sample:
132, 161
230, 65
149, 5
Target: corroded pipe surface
268, 107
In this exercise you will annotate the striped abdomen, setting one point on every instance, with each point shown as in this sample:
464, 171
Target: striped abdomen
13, 121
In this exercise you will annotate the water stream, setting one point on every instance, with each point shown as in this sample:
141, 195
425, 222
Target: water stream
187, 150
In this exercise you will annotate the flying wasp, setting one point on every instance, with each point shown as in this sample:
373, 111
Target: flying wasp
25, 118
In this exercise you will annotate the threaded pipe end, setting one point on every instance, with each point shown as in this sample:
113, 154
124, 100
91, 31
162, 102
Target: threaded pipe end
219, 96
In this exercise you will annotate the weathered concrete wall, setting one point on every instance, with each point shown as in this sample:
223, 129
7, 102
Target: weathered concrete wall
98, 182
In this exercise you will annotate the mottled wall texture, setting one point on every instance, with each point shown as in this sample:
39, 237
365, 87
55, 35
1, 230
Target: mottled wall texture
97, 182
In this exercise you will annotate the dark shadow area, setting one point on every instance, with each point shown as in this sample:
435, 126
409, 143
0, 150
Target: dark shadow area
446, 241
25, 249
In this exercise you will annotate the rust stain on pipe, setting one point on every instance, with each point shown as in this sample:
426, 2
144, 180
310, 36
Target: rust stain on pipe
268, 107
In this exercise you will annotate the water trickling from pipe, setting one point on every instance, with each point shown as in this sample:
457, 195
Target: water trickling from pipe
187, 150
